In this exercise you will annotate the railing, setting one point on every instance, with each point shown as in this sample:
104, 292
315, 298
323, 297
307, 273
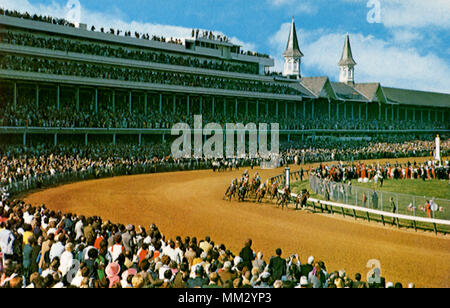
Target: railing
406, 204
49, 180
369, 214
94, 130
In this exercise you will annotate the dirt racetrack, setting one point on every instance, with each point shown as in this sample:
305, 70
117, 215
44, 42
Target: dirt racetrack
190, 203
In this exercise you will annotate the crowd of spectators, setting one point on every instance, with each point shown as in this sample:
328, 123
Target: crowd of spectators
90, 70
41, 248
389, 146
144, 36
28, 114
73, 46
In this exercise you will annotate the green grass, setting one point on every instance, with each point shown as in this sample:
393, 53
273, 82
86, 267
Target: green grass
402, 191
431, 189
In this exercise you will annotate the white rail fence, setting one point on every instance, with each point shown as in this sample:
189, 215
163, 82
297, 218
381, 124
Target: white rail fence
329, 206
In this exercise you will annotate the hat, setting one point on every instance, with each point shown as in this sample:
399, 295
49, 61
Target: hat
342, 273
203, 255
389, 285
238, 260
129, 227
310, 260
112, 269
227, 264
129, 272
303, 281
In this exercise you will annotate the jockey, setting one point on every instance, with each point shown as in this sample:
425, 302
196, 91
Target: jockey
262, 186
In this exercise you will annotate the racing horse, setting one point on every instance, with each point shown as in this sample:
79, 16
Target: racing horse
273, 191
243, 190
285, 197
256, 182
231, 190
261, 192
301, 199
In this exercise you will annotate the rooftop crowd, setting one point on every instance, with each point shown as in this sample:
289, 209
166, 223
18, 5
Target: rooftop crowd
89, 70
73, 46
137, 35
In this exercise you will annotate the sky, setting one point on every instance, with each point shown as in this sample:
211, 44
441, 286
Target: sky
399, 43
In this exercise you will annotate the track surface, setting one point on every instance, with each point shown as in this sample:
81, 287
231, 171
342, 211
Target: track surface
190, 203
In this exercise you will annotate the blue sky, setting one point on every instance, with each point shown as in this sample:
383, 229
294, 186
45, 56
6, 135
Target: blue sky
409, 46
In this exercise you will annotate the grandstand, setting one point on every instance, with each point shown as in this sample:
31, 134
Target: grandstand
77, 103
78, 84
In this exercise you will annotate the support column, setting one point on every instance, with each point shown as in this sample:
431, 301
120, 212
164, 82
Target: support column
385, 113
224, 106
421, 115
295, 109
285, 109
246, 109
24, 139
406, 114
145, 103
55, 139
174, 104
130, 101
187, 105
15, 95
213, 105
114, 139
367, 111
276, 110
37, 96
85, 139
267, 109
201, 104
140, 139
257, 109
329, 109
359, 106
114, 100
345, 110
392, 112
160, 103
58, 95
77, 94
96, 100
379, 111
337, 111
236, 105
304, 110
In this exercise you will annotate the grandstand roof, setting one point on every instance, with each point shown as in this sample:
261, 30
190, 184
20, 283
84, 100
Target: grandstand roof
347, 92
371, 91
417, 98
319, 86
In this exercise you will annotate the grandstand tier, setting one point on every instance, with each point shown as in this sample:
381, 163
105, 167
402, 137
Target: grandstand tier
58, 78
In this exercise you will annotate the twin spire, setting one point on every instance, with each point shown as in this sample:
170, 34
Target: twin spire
292, 58
292, 48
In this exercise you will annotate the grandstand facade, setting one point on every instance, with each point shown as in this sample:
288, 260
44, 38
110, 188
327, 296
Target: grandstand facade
61, 82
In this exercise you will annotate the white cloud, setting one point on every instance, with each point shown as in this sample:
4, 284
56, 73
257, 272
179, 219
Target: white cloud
416, 13
387, 62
